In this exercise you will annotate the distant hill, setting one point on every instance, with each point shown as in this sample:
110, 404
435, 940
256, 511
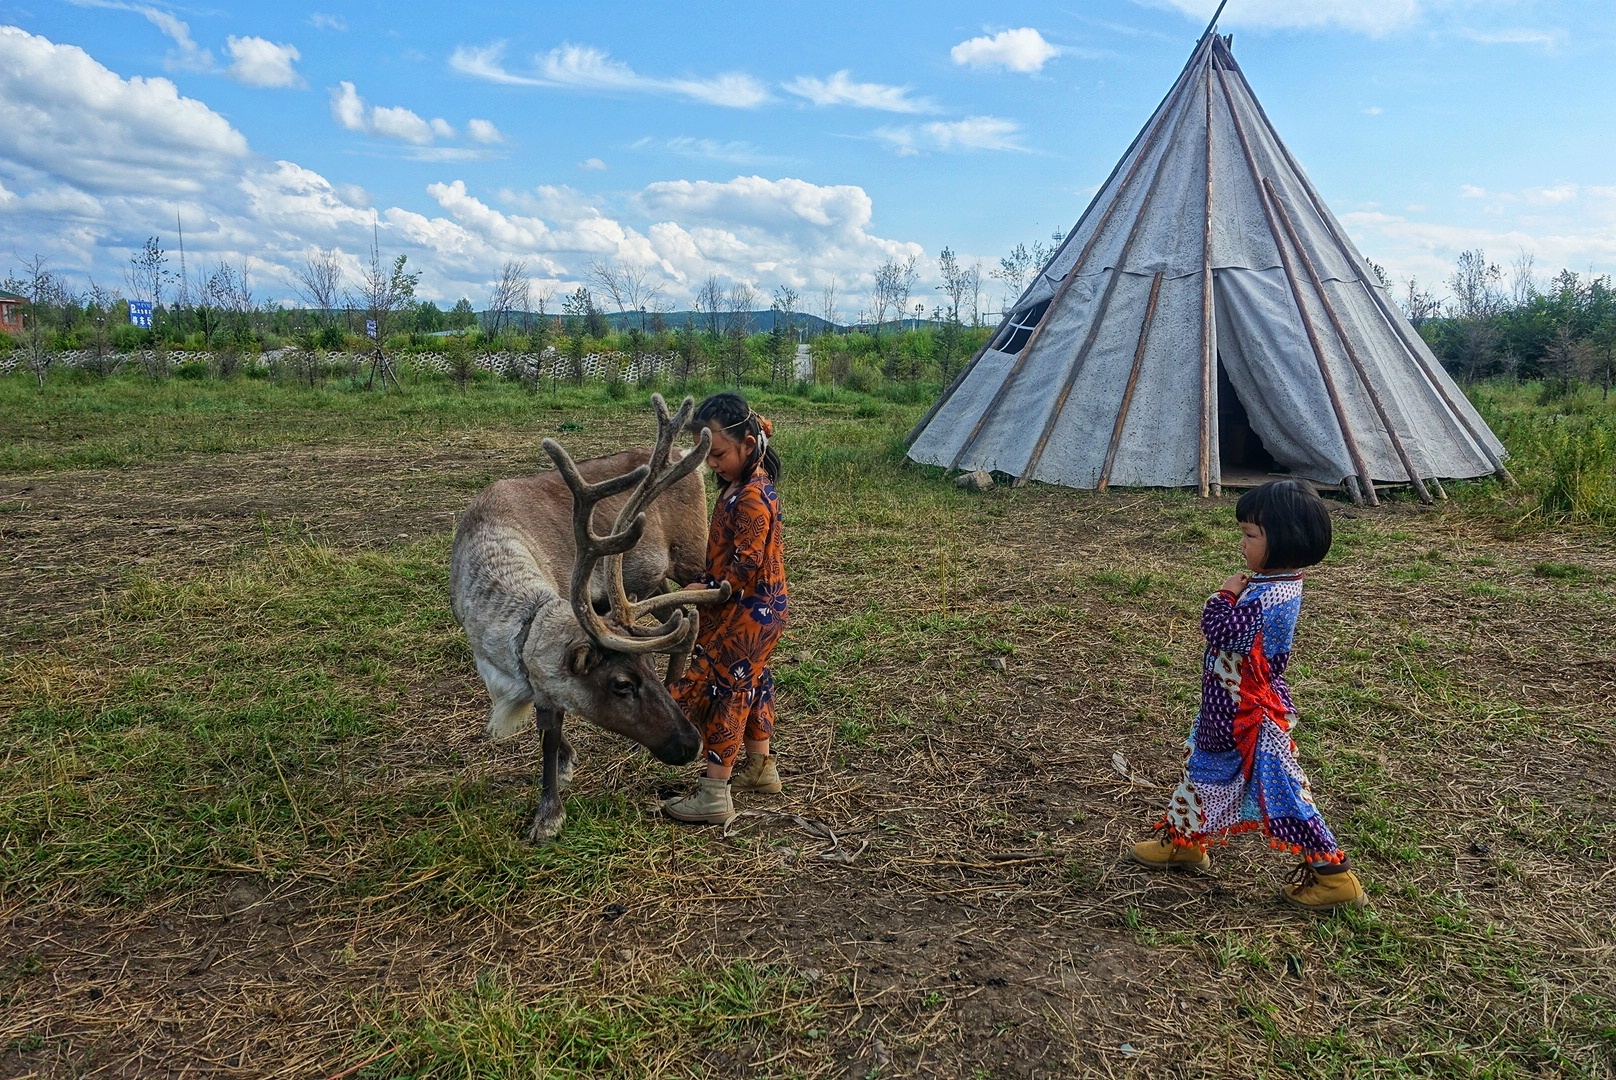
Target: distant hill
759, 322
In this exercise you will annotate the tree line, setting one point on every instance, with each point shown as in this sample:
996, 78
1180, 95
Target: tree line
1492, 322
215, 309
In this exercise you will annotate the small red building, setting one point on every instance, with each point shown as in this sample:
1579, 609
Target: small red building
11, 312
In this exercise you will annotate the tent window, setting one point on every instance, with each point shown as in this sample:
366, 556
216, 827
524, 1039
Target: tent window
1239, 447
1022, 324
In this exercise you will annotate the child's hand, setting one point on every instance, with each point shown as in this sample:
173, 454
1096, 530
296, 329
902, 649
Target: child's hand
1235, 584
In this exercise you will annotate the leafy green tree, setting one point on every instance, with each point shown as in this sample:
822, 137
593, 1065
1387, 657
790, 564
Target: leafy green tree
429, 318
461, 316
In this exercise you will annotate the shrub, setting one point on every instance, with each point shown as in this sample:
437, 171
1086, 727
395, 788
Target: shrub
1580, 479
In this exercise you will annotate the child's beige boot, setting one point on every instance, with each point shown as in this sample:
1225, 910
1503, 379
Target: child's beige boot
1163, 854
757, 773
709, 805
1312, 891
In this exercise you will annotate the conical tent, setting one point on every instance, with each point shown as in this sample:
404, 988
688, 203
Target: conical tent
1207, 317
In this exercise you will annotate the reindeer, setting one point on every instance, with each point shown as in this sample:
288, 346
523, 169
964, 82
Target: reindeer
537, 631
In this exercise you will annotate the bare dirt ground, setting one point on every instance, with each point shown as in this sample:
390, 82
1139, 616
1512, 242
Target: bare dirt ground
971, 916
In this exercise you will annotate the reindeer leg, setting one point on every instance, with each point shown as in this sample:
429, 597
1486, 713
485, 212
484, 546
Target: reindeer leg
550, 816
567, 763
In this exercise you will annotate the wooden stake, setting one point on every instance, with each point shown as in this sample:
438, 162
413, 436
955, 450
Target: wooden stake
1133, 378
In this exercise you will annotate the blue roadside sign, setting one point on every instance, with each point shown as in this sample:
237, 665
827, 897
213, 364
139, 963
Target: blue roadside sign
370, 328
140, 313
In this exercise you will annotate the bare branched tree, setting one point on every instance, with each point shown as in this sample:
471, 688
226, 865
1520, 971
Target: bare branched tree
890, 288
1418, 303
384, 290
42, 289
739, 303
1013, 270
319, 282
147, 273
628, 286
827, 302
709, 302
512, 293
1522, 279
98, 307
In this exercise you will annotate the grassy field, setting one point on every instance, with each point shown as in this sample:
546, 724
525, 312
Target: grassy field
249, 827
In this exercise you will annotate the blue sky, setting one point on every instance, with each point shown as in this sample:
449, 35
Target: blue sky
766, 143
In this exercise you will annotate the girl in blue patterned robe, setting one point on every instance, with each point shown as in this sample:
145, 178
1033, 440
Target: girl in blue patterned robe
1241, 772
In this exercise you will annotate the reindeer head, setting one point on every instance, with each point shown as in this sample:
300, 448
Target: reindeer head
603, 663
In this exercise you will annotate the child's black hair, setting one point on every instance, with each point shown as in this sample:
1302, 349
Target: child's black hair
1294, 521
728, 412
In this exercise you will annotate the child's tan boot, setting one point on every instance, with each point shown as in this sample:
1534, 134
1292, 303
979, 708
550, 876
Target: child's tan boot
709, 805
1312, 891
757, 773
1163, 854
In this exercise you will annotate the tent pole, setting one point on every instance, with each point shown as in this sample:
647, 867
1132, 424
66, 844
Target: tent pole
1071, 275
1207, 487
1213, 24
1346, 343
1296, 294
1100, 310
1133, 379
1397, 323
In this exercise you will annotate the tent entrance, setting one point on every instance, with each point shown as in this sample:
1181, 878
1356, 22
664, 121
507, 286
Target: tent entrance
1240, 449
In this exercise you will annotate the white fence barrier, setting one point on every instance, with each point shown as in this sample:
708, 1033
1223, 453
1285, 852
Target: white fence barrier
549, 365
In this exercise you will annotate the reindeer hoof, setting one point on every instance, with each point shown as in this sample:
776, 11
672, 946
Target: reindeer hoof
546, 826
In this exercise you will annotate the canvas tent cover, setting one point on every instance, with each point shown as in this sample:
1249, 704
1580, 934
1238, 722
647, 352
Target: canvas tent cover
1206, 248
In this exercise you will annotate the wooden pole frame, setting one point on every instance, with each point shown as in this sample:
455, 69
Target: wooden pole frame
1368, 487
1346, 344
1076, 366
1208, 486
1398, 325
998, 332
1133, 379
1148, 139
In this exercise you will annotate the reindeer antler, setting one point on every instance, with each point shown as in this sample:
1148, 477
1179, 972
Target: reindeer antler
678, 634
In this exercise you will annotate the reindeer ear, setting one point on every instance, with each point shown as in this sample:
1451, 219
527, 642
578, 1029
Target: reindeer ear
582, 658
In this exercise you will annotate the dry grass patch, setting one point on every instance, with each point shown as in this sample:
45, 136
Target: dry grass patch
247, 826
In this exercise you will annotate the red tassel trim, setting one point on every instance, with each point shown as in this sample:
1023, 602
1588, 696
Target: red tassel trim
1201, 841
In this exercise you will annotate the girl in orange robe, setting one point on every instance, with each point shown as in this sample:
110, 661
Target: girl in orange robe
728, 692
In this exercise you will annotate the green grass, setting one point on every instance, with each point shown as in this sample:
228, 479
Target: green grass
298, 716
72, 423
231, 723
665, 1028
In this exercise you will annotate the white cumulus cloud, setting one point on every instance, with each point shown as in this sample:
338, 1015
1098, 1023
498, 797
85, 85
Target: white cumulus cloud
840, 89
256, 61
484, 131
91, 163
65, 116
1023, 49
385, 121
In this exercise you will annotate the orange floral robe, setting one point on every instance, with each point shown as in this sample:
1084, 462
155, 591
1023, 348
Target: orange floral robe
729, 691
